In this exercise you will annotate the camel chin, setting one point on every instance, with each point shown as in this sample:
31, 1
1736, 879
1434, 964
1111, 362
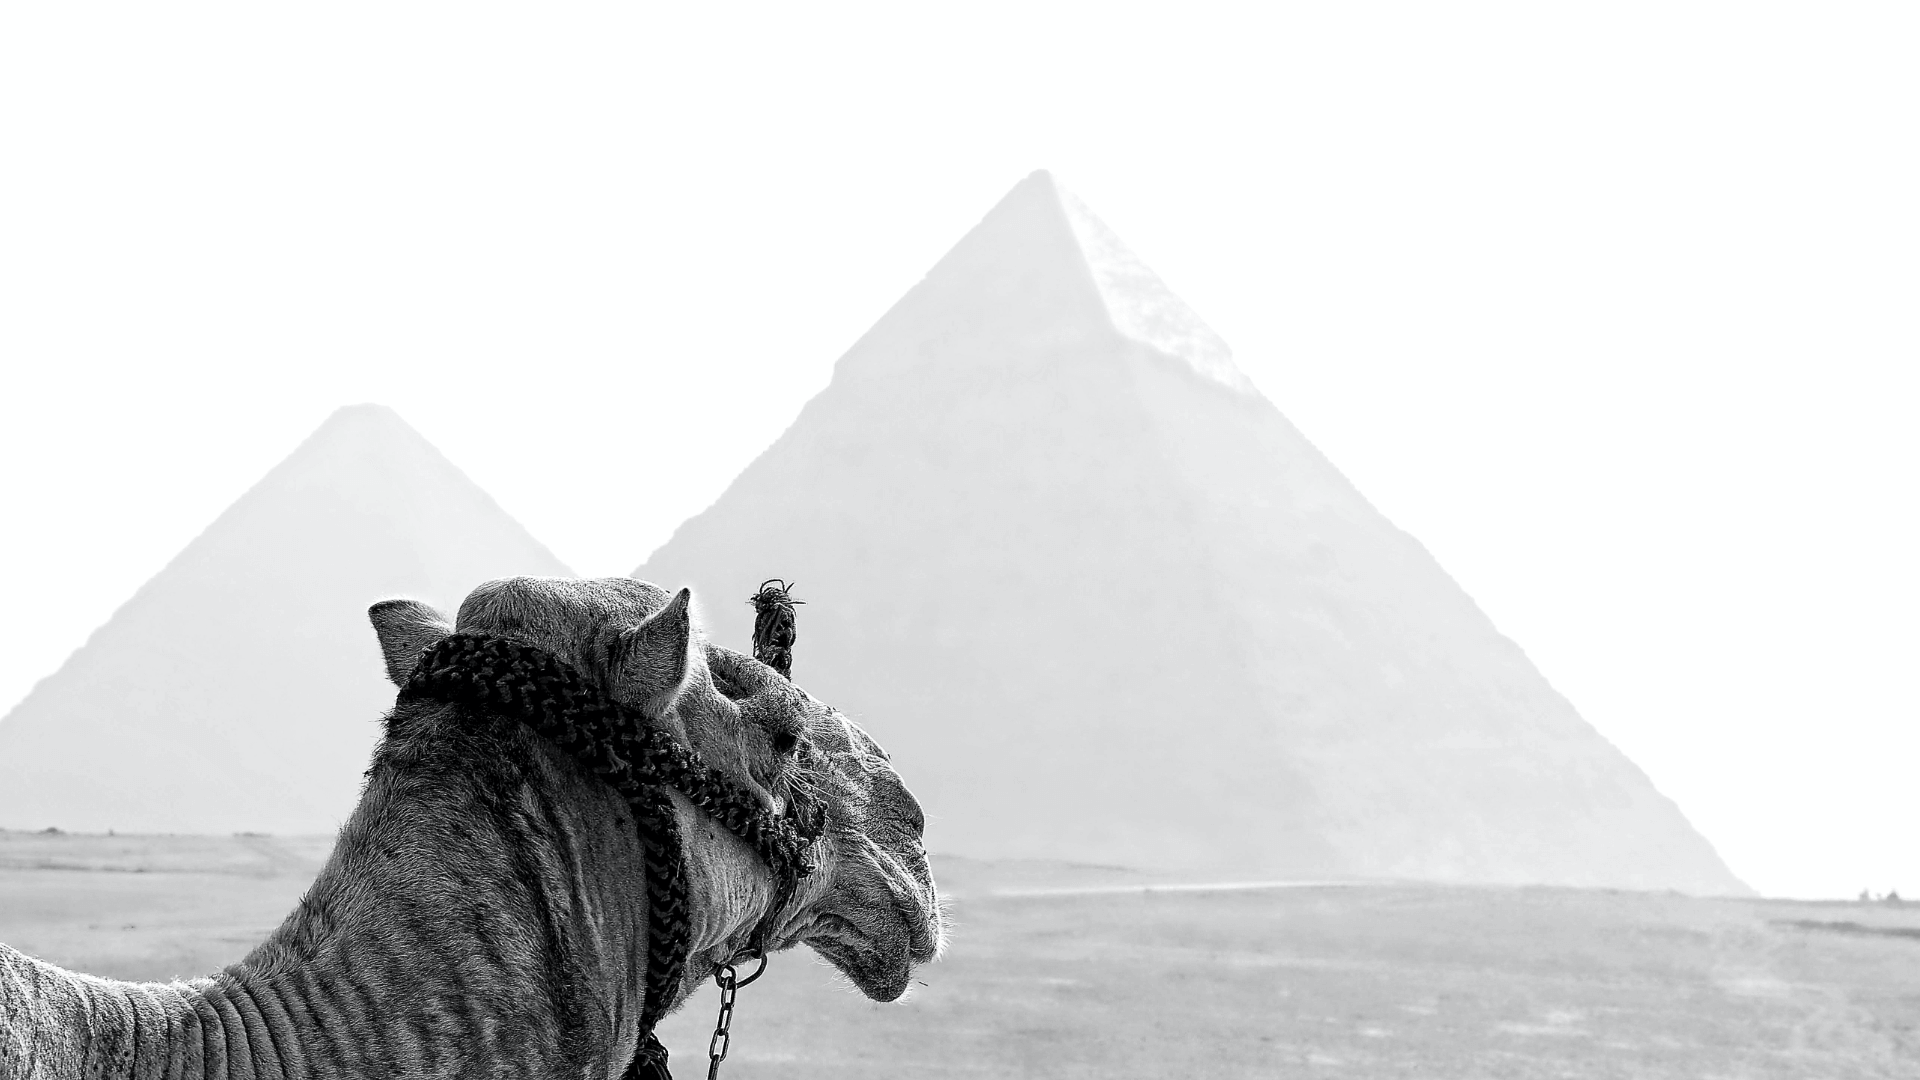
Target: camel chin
879, 976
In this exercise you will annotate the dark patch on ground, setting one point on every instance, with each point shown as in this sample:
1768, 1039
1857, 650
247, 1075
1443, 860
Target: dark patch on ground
1910, 932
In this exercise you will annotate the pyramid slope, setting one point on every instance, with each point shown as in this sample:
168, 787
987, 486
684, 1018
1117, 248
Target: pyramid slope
241, 688
1103, 602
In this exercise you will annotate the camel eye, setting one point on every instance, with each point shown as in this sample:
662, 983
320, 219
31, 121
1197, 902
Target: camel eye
784, 742
729, 688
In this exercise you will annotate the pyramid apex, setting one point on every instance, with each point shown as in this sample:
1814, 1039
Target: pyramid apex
364, 422
366, 408
1038, 192
365, 411
1139, 303
1040, 258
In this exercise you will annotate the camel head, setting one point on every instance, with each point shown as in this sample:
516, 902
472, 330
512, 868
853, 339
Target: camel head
870, 908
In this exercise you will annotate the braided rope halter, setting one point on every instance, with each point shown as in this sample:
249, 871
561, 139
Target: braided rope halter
640, 761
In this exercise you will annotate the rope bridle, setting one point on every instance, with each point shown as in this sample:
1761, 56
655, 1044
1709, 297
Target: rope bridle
640, 761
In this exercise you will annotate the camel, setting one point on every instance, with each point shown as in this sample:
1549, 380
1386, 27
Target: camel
482, 912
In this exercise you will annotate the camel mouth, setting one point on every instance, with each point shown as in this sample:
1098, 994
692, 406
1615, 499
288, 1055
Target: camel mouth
880, 964
926, 927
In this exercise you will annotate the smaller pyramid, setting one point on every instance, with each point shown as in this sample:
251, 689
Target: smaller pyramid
241, 689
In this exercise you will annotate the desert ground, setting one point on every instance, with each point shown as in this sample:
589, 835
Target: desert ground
1058, 970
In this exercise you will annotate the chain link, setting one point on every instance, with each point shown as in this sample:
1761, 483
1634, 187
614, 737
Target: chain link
725, 978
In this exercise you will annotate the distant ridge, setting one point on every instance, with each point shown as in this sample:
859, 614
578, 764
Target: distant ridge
241, 689
1104, 603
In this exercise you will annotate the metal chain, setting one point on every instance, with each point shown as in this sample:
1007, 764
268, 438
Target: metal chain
724, 976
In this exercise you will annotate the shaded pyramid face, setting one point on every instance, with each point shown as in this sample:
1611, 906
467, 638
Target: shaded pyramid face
1102, 602
242, 689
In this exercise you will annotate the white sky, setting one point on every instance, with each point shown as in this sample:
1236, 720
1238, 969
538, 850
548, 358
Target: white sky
1612, 305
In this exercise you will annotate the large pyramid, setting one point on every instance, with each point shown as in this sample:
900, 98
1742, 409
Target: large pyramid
1103, 602
241, 689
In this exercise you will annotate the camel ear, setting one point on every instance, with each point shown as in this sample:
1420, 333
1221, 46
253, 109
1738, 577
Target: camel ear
649, 662
406, 628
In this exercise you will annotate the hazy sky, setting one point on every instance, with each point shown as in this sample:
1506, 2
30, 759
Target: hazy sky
1612, 305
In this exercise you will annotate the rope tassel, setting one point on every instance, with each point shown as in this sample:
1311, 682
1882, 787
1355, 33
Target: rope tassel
773, 630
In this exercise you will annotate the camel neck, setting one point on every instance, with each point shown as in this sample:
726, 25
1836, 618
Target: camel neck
481, 914
60, 1025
